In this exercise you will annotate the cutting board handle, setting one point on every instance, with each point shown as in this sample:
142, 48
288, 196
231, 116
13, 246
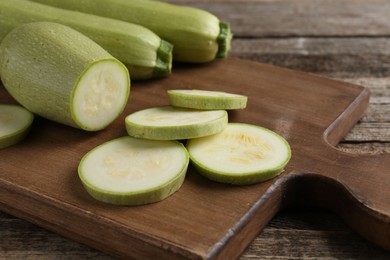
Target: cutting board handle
355, 187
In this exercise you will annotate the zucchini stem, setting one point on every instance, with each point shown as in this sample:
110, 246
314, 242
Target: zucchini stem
163, 66
224, 40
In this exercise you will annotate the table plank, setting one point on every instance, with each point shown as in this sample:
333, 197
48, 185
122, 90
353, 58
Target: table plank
338, 57
310, 234
281, 18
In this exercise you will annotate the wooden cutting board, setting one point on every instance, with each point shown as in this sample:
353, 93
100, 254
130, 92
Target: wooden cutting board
39, 182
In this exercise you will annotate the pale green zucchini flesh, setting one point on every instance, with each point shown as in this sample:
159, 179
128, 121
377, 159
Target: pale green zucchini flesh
241, 154
206, 99
130, 171
60, 74
172, 123
197, 35
140, 49
15, 123
100, 95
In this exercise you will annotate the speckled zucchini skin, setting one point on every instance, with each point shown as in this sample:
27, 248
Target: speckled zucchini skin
197, 35
143, 52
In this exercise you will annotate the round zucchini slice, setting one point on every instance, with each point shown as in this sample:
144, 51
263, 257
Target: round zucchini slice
173, 123
241, 154
15, 123
206, 99
130, 171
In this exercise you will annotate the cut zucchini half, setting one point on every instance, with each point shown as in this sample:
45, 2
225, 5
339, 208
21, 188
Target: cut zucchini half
206, 99
173, 123
15, 123
241, 154
130, 171
58, 73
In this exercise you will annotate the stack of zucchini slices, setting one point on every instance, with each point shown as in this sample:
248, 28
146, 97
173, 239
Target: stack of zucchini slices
150, 164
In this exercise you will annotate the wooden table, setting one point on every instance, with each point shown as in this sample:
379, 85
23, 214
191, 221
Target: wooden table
342, 39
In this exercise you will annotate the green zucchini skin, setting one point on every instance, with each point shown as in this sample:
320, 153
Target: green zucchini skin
140, 49
197, 35
42, 63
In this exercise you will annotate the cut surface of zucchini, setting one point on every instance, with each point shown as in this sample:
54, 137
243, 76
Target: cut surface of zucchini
241, 154
206, 99
100, 94
173, 123
131, 171
15, 123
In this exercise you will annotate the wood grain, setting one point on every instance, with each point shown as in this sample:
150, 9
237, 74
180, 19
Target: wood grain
281, 18
304, 108
321, 55
257, 24
310, 234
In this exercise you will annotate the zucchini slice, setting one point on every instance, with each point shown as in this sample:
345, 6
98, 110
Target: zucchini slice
172, 123
15, 123
205, 99
130, 171
241, 154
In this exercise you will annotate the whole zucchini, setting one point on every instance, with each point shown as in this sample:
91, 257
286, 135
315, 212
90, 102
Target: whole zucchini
140, 49
58, 73
197, 35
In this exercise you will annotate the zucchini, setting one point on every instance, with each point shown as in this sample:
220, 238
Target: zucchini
172, 123
197, 35
241, 154
15, 123
206, 99
60, 74
141, 50
130, 171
